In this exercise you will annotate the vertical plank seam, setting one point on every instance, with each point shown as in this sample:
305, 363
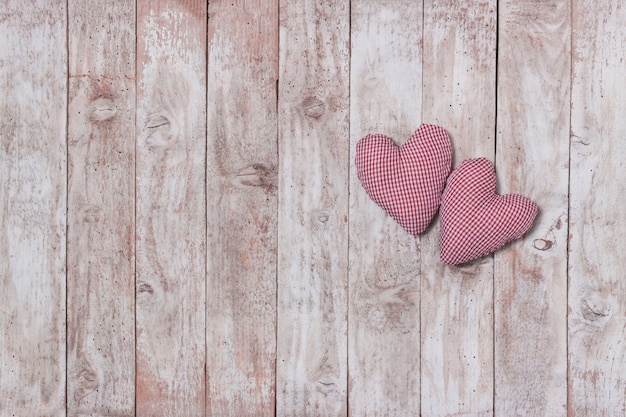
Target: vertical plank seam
67, 187
569, 200
493, 258
277, 209
495, 133
135, 211
419, 309
206, 209
348, 210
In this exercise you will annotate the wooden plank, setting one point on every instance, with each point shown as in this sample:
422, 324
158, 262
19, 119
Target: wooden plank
532, 159
313, 208
597, 295
33, 170
457, 301
384, 332
242, 203
171, 207
101, 221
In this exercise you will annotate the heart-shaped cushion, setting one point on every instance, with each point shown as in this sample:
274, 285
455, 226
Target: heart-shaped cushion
406, 181
475, 221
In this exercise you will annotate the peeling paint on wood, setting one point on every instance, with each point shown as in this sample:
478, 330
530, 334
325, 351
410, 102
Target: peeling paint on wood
33, 106
313, 182
266, 281
533, 134
101, 221
457, 302
171, 208
384, 349
597, 294
242, 207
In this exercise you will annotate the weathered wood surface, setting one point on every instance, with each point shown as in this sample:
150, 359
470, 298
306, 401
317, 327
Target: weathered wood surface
313, 114
242, 207
33, 108
100, 216
171, 208
386, 97
459, 71
530, 292
220, 255
597, 290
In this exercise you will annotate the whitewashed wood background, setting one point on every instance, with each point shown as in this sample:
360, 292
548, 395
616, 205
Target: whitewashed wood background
182, 232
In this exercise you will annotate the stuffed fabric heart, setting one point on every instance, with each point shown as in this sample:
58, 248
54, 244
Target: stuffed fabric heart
406, 181
475, 221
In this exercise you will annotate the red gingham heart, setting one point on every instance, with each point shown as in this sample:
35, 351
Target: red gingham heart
406, 181
475, 221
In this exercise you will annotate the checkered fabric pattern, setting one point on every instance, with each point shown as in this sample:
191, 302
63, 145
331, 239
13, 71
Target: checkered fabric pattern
475, 221
406, 181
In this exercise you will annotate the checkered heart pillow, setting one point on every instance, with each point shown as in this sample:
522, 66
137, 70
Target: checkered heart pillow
406, 181
475, 221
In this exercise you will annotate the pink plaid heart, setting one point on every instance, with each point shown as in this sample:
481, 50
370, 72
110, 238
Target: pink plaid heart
475, 221
406, 181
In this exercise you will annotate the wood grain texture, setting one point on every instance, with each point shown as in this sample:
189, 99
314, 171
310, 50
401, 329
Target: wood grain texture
597, 292
532, 159
318, 303
242, 203
384, 332
313, 208
33, 169
101, 219
457, 301
171, 208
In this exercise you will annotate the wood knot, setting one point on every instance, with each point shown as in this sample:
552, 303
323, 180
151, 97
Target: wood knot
376, 318
594, 311
313, 107
102, 109
320, 216
257, 175
542, 244
326, 386
87, 383
158, 131
145, 287
92, 213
